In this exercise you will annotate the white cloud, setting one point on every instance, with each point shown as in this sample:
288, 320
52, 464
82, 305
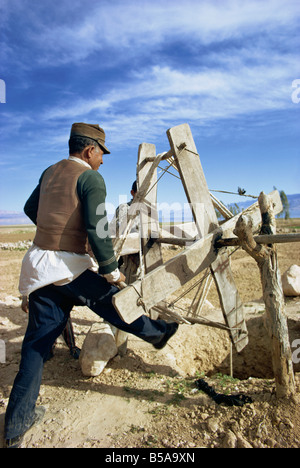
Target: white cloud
161, 92
247, 74
74, 33
148, 23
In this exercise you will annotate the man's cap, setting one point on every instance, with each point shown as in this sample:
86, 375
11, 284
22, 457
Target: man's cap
92, 131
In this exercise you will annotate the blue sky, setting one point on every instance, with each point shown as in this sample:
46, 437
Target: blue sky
140, 67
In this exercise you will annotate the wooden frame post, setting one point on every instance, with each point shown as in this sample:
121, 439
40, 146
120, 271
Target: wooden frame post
276, 321
148, 215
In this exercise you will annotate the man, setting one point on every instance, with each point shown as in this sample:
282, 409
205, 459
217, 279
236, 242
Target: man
128, 264
58, 272
119, 221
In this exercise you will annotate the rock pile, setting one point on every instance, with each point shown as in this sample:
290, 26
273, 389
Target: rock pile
10, 302
21, 245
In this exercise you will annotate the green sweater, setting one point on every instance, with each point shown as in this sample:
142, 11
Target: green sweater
91, 191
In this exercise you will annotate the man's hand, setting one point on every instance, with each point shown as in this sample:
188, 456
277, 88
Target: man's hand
122, 279
24, 305
120, 283
110, 278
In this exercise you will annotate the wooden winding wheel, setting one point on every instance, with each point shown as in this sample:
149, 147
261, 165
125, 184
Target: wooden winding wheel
203, 255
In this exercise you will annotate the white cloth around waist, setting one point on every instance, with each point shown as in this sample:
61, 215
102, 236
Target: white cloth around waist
43, 267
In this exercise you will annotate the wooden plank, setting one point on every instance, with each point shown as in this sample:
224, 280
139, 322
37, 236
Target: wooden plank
149, 216
131, 244
193, 179
195, 185
172, 275
223, 210
231, 304
152, 252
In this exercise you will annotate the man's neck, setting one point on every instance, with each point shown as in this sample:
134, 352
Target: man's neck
78, 159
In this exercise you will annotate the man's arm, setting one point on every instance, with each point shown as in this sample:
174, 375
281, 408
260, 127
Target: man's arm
92, 193
32, 204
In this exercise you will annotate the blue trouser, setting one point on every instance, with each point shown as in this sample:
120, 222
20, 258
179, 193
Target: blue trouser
49, 310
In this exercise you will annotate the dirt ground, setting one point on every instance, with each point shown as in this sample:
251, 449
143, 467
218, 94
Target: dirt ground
148, 398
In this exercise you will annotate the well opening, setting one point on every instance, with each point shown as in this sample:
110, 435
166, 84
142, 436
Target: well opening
204, 350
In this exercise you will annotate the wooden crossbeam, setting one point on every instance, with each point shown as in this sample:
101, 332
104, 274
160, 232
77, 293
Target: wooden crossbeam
164, 156
174, 240
262, 239
234, 241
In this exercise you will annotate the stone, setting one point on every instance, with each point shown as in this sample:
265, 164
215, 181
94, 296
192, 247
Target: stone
242, 442
291, 281
212, 425
230, 440
121, 339
98, 349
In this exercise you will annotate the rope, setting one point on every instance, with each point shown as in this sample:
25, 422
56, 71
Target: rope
168, 172
235, 193
140, 301
165, 170
230, 400
205, 319
240, 193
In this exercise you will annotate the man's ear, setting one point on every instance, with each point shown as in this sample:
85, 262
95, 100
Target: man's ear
88, 151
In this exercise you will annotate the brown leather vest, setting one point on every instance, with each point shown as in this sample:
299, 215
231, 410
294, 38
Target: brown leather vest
60, 224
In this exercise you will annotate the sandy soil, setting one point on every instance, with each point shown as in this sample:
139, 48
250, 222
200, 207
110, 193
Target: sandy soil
149, 398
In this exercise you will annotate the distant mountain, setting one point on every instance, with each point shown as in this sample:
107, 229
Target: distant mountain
15, 217
294, 201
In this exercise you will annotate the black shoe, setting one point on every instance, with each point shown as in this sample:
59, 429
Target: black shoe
171, 330
75, 352
16, 442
